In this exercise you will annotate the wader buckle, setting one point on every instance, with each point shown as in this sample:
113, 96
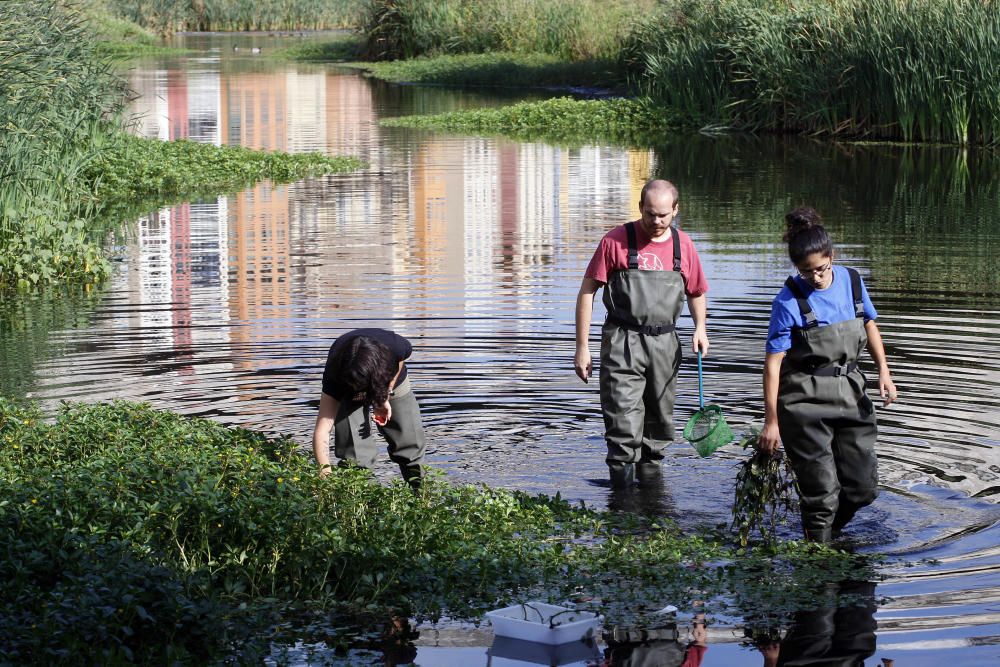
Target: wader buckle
833, 371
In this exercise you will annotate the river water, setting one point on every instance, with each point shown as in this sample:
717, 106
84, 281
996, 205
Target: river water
474, 248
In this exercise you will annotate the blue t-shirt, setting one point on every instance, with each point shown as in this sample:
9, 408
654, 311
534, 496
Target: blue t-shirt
831, 305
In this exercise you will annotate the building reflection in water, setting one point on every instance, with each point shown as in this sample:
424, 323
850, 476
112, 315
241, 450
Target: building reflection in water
468, 225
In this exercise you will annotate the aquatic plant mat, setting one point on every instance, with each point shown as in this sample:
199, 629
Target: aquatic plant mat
132, 534
562, 120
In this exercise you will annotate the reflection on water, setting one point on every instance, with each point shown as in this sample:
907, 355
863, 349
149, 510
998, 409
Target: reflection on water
474, 248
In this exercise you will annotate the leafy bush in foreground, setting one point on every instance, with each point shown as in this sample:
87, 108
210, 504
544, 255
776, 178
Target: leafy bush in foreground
187, 532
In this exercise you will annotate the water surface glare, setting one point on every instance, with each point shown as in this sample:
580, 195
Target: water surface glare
474, 249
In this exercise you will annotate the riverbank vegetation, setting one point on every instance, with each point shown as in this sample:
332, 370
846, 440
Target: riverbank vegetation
571, 29
132, 534
168, 16
914, 70
67, 163
910, 70
506, 69
562, 120
118, 38
344, 47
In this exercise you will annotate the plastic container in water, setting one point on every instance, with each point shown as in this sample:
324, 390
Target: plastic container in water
544, 623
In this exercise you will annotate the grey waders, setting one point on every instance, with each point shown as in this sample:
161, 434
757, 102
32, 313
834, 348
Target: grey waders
640, 355
826, 419
353, 439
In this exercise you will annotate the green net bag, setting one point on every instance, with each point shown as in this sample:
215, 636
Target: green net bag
707, 430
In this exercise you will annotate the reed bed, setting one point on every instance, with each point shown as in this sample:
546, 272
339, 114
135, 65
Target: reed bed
57, 109
573, 29
166, 16
913, 70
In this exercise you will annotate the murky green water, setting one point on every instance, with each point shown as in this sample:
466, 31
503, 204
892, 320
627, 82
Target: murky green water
475, 247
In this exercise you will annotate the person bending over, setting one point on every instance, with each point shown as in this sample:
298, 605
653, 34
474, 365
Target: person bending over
366, 379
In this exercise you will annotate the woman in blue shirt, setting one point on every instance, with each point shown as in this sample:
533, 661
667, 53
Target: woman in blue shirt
814, 392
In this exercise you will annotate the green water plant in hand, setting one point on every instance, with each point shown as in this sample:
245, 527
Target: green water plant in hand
763, 496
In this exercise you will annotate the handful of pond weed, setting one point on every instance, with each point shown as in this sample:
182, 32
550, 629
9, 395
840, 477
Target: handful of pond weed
764, 496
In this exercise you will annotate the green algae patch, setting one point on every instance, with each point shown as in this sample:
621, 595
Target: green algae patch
166, 535
504, 69
560, 120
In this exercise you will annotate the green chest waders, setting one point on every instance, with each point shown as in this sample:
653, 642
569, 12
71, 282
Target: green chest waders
826, 419
640, 355
353, 439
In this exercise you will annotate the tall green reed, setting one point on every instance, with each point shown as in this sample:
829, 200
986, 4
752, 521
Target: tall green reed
58, 105
915, 70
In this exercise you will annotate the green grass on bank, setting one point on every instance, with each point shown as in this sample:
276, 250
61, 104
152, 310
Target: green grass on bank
118, 38
340, 48
562, 120
523, 70
136, 535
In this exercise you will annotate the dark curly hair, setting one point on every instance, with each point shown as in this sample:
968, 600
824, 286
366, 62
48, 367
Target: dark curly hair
806, 235
364, 367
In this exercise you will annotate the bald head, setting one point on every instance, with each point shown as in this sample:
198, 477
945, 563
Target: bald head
658, 187
658, 206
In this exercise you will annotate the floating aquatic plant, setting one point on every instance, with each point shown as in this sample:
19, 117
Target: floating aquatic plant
764, 496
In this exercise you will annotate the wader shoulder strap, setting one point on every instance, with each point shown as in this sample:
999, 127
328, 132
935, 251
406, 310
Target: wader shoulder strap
804, 307
633, 246
677, 247
859, 305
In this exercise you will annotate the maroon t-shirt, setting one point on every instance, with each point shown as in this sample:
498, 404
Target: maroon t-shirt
612, 255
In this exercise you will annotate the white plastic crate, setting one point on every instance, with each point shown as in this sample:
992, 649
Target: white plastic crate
544, 623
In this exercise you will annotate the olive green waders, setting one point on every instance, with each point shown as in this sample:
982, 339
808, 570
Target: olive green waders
826, 419
353, 439
640, 355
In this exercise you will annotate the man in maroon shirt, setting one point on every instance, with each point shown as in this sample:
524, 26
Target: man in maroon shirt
648, 269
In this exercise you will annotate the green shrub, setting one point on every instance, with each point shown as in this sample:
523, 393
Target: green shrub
179, 525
